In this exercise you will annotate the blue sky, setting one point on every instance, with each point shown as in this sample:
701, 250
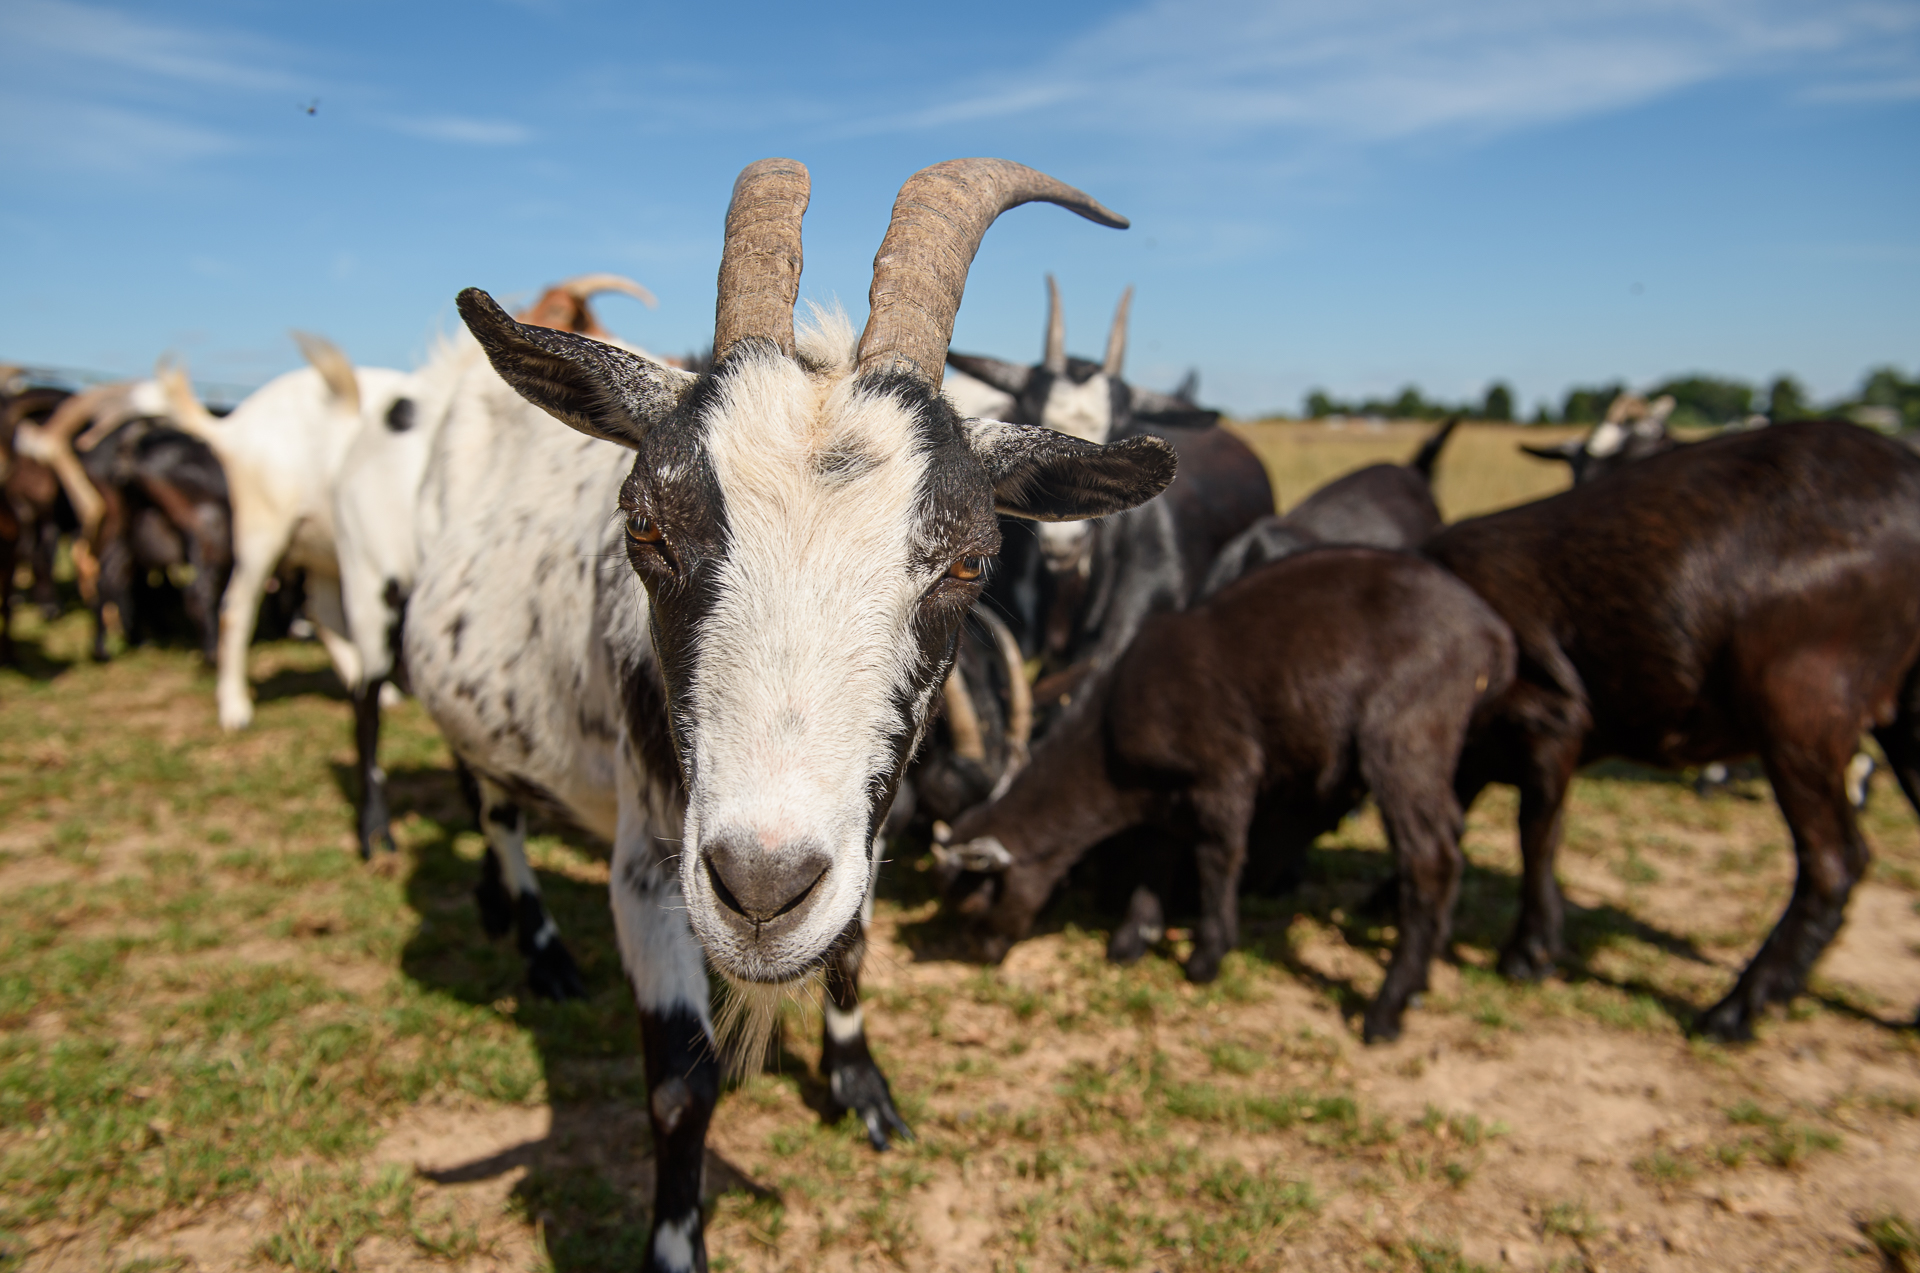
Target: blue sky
1352, 196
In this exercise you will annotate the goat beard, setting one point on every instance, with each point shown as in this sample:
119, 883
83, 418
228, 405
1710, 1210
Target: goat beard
751, 1013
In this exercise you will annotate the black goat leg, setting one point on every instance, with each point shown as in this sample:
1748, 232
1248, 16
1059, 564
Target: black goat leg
853, 1077
551, 972
376, 826
1144, 924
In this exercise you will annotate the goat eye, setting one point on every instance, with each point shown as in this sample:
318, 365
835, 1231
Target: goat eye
643, 529
967, 569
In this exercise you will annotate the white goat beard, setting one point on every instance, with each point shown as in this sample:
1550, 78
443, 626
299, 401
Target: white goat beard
750, 1016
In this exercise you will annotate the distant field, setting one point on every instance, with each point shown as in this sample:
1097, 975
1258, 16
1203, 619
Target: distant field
225, 1044
1482, 468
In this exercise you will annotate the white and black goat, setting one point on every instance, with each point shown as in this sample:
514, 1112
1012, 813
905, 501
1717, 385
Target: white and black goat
377, 551
712, 629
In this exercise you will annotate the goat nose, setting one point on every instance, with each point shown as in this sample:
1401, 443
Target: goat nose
761, 884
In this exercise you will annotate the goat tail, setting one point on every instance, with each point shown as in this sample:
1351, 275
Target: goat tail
334, 367
1430, 451
187, 410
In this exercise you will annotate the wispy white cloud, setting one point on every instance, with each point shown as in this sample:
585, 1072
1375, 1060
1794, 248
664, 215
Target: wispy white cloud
100, 137
1376, 70
98, 90
463, 130
108, 38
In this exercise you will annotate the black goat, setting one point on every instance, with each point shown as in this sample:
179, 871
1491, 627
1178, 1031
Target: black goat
1753, 593
1380, 506
1259, 719
166, 505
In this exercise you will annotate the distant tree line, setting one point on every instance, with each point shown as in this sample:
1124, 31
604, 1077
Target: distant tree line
1886, 399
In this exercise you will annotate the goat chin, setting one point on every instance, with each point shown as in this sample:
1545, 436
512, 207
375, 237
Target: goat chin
750, 1015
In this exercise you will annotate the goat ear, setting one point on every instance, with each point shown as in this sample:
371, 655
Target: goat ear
600, 389
1051, 477
1565, 451
1007, 377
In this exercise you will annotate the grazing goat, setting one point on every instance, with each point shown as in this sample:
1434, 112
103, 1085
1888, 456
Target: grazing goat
1256, 721
712, 630
376, 549
164, 500
1380, 506
1750, 593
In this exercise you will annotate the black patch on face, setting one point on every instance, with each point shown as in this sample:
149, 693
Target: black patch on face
400, 415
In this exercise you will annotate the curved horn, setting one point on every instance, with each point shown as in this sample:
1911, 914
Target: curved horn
920, 272
760, 264
963, 722
1054, 358
334, 367
1019, 700
585, 286
1117, 337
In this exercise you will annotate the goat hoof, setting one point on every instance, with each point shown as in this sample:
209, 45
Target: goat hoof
1381, 1029
1727, 1021
1203, 967
552, 974
1127, 946
859, 1086
1521, 963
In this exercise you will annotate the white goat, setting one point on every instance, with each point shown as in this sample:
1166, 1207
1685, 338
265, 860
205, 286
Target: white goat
712, 630
283, 449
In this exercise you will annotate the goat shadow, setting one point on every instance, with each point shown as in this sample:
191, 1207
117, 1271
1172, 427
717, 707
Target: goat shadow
1349, 889
588, 1183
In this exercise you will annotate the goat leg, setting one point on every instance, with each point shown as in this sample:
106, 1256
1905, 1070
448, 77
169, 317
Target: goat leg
551, 972
376, 828
1221, 856
1145, 923
1536, 944
1424, 828
1811, 790
854, 1079
669, 981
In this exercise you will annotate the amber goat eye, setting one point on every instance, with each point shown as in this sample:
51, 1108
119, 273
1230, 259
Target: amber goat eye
643, 530
967, 569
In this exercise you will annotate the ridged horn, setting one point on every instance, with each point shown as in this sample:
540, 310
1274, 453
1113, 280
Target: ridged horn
1117, 337
760, 264
1053, 354
586, 286
334, 367
920, 272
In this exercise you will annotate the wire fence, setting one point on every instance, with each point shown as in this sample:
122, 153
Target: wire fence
219, 395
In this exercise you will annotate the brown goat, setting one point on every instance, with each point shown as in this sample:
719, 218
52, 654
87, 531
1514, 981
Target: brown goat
1753, 593
1261, 717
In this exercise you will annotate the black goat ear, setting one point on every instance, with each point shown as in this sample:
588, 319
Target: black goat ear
1007, 377
1564, 452
1051, 477
600, 389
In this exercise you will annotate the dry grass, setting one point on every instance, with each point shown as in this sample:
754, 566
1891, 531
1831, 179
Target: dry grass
224, 1044
1481, 470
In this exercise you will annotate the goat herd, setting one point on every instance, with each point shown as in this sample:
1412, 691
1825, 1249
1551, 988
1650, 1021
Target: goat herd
723, 624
